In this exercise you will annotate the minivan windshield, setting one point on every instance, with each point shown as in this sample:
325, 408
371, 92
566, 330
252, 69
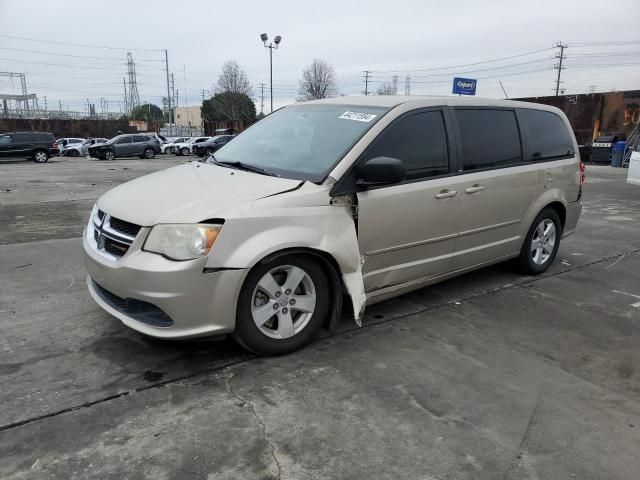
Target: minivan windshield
301, 141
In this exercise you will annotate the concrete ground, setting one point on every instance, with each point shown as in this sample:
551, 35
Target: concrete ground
490, 375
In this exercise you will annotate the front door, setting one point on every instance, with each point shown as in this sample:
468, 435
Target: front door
124, 146
407, 231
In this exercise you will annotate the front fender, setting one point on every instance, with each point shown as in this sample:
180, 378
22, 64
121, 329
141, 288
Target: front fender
243, 242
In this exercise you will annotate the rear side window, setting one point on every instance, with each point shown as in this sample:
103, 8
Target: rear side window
124, 140
419, 141
489, 138
547, 135
139, 138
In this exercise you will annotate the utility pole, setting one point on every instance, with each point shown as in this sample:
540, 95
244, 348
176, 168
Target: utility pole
561, 56
262, 98
204, 92
166, 65
45, 103
366, 82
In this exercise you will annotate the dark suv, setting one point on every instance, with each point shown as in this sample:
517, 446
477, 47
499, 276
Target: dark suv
35, 145
212, 145
127, 145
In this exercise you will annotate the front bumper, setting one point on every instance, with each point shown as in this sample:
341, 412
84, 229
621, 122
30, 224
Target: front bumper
196, 303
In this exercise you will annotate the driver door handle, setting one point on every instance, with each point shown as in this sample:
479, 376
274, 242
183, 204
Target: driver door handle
475, 189
446, 194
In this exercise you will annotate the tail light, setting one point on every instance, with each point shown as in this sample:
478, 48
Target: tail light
54, 145
583, 176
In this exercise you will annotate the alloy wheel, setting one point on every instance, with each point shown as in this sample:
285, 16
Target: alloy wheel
283, 302
543, 242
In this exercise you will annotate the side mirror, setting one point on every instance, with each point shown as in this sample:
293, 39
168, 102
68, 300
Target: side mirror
381, 171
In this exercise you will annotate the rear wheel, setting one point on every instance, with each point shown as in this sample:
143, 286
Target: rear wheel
282, 305
109, 155
149, 153
541, 243
40, 156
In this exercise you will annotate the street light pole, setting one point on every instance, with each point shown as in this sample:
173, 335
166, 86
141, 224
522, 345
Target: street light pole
271, 46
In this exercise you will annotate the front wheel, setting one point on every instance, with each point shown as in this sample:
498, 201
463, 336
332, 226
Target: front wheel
541, 243
282, 305
109, 155
184, 151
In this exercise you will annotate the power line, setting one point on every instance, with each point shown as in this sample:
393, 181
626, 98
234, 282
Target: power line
466, 64
80, 44
39, 52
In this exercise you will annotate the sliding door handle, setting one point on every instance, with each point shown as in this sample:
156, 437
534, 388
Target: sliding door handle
475, 189
446, 194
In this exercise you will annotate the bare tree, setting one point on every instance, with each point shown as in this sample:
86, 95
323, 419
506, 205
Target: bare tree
233, 79
318, 81
386, 89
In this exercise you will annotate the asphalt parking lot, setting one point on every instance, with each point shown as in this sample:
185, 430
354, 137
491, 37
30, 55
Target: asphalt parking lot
490, 375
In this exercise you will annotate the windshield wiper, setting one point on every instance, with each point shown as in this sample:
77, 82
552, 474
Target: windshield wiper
245, 166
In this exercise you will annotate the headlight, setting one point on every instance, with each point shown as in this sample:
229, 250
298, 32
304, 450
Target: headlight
182, 242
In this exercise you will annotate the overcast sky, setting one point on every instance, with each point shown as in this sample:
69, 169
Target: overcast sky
386, 37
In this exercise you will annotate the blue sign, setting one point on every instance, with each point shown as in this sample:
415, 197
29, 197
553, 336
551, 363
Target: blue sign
464, 86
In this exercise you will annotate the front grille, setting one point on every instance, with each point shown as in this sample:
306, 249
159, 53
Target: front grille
139, 310
112, 237
121, 226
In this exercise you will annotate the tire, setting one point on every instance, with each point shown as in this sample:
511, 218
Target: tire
40, 156
536, 256
74, 153
109, 155
305, 305
209, 151
184, 151
148, 153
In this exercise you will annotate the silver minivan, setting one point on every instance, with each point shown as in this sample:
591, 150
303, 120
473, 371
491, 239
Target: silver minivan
358, 199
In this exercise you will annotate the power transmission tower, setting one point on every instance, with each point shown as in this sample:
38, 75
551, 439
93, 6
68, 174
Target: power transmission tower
134, 97
394, 82
366, 82
407, 85
126, 100
559, 67
262, 98
592, 89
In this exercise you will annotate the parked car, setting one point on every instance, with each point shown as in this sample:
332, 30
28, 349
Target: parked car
186, 148
171, 143
373, 196
210, 146
126, 145
66, 142
76, 150
38, 146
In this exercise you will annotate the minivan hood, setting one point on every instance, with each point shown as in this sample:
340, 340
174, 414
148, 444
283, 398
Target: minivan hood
188, 194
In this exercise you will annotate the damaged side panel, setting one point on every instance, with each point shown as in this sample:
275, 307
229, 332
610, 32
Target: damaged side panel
270, 227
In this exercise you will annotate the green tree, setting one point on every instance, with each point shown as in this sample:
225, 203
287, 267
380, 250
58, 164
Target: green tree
149, 113
230, 107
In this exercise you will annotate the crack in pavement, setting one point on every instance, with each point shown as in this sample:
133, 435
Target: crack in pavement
428, 308
227, 380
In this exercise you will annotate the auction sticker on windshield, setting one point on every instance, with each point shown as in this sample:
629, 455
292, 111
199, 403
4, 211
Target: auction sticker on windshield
357, 116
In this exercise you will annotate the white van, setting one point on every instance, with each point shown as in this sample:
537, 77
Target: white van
366, 197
